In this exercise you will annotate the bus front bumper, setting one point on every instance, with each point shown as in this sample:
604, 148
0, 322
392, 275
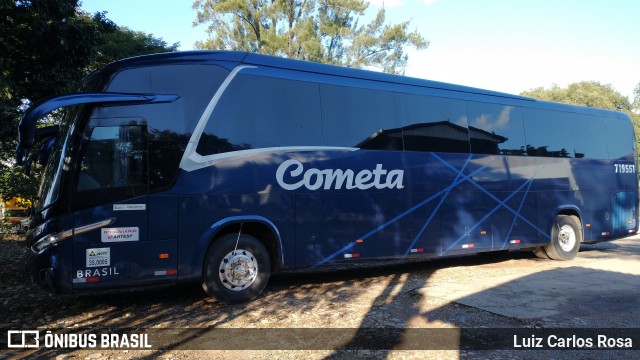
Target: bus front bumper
40, 270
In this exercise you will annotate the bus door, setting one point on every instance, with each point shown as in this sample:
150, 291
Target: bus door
115, 218
624, 213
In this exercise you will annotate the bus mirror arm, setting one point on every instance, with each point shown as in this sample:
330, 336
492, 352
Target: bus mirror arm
28, 164
27, 125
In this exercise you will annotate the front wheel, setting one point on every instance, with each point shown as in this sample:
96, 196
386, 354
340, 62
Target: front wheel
236, 269
566, 237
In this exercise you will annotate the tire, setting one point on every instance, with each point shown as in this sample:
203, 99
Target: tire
566, 236
238, 276
540, 253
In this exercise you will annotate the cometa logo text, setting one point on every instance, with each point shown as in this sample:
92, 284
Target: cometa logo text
314, 179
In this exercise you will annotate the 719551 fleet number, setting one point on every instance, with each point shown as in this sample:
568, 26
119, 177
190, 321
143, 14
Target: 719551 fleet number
625, 168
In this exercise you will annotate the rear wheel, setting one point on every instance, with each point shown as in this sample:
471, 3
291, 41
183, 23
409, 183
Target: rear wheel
236, 274
540, 253
566, 237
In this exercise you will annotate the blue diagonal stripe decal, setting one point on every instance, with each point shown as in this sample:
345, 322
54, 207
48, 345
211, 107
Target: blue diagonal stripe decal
460, 178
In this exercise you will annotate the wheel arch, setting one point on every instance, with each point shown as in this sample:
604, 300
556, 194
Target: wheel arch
257, 226
568, 210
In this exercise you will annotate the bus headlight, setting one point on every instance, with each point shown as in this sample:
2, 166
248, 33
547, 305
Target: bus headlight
45, 242
53, 239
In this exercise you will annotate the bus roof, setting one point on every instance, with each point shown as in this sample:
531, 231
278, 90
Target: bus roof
211, 56
298, 65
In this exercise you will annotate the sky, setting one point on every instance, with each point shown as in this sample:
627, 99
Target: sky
502, 45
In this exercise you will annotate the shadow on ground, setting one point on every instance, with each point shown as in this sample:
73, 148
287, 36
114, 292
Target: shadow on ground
565, 297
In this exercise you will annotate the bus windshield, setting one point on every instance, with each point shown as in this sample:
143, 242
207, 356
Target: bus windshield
50, 185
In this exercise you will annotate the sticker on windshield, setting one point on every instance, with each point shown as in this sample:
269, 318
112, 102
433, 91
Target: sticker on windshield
129, 207
98, 257
120, 234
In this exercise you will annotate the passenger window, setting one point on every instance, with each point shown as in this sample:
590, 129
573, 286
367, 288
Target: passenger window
115, 157
620, 140
165, 152
434, 124
169, 126
195, 84
589, 137
360, 118
496, 129
261, 112
548, 133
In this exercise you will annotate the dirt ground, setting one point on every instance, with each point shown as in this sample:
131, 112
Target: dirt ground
336, 307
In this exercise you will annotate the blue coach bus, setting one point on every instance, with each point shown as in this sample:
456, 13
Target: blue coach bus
223, 167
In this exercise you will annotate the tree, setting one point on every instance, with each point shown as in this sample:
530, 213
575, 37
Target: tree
586, 93
122, 42
593, 94
326, 31
47, 46
636, 99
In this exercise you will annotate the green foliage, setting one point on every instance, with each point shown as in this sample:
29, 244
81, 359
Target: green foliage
49, 44
46, 48
636, 99
593, 94
15, 183
122, 42
324, 31
586, 93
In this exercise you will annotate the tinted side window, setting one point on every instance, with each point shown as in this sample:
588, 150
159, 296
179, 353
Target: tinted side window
588, 137
115, 157
195, 84
548, 133
165, 152
620, 140
169, 125
113, 165
496, 129
362, 118
434, 124
259, 112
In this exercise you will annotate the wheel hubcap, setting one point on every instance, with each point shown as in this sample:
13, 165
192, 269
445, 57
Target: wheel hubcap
567, 238
238, 270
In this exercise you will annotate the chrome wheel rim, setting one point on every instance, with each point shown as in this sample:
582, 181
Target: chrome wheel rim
567, 238
238, 270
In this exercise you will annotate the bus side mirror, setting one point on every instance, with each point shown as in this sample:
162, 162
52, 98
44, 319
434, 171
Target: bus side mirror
20, 156
28, 163
45, 151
